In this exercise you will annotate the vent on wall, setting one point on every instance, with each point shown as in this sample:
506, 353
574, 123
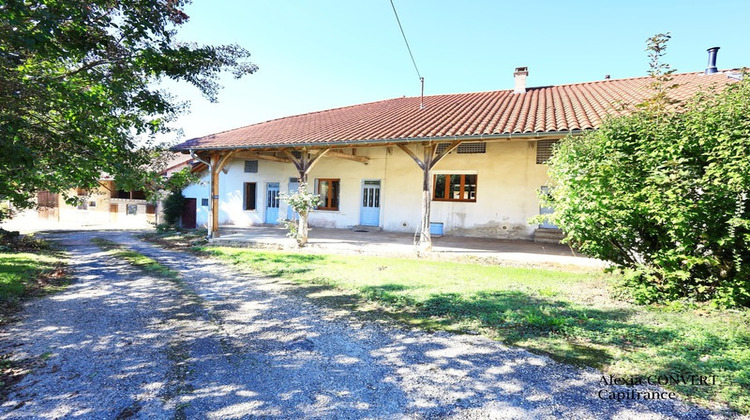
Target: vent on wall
465, 148
251, 166
544, 150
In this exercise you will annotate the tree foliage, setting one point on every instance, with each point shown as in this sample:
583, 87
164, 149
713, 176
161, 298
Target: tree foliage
77, 88
665, 193
173, 204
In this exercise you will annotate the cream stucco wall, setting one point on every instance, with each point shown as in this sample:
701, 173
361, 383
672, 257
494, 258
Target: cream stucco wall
507, 182
96, 210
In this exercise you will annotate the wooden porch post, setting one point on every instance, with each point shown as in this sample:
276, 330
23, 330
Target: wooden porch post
426, 164
218, 162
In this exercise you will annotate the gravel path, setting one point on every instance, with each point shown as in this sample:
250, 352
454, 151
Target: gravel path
221, 344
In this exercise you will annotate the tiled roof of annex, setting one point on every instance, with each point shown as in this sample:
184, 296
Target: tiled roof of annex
546, 110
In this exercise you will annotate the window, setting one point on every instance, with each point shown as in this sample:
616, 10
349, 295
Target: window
204, 202
150, 209
251, 166
92, 203
132, 209
451, 187
328, 189
465, 148
250, 196
544, 151
129, 195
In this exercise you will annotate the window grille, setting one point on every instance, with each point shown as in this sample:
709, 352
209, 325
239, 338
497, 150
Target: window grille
473, 147
544, 151
251, 166
465, 148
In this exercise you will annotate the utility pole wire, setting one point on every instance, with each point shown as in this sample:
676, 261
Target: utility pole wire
421, 79
405, 41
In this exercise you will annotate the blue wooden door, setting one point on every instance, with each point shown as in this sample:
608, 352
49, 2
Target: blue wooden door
546, 210
272, 203
370, 213
293, 188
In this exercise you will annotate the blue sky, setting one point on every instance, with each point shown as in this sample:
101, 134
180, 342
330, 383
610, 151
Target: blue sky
316, 55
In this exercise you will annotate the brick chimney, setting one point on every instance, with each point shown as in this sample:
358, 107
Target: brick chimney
520, 77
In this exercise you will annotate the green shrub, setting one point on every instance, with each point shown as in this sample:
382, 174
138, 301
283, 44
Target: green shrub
664, 192
666, 195
173, 205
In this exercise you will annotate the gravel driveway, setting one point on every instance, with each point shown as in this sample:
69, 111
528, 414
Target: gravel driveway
221, 344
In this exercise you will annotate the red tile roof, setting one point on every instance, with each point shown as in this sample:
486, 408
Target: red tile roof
547, 110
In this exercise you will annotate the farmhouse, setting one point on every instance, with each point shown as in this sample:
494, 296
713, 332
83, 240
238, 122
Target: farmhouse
481, 157
105, 206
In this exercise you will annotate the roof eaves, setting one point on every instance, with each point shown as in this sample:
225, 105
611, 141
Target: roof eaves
375, 142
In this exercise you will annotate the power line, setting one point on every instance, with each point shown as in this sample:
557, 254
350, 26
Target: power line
421, 79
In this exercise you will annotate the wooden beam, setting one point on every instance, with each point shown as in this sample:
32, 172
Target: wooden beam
342, 155
223, 161
297, 162
305, 163
412, 155
445, 152
254, 155
314, 159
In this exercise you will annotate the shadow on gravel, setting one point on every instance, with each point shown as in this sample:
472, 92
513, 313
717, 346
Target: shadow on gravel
278, 356
238, 346
98, 348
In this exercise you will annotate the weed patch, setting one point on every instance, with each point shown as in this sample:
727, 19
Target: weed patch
137, 259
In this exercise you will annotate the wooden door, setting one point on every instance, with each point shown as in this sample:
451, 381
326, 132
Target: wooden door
188, 213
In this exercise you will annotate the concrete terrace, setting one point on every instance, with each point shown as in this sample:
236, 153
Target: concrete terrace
323, 240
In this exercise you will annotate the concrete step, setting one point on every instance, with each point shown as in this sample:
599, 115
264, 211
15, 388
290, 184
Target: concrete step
550, 236
363, 228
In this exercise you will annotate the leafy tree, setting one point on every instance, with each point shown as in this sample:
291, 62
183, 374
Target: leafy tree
77, 88
303, 202
664, 194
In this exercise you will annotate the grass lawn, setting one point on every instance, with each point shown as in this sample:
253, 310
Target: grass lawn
26, 274
571, 316
23, 275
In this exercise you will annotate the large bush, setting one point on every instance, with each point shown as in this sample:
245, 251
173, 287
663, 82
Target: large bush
173, 207
665, 194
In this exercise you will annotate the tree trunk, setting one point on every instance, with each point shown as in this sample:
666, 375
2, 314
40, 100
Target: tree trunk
425, 240
302, 229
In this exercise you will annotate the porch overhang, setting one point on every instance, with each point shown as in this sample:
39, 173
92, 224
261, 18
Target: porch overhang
380, 142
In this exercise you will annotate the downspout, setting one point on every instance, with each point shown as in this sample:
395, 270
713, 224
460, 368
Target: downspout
210, 233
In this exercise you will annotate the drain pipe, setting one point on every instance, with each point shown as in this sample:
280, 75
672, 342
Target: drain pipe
210, 233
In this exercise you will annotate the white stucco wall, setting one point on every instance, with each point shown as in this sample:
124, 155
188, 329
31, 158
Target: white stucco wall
507, 182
